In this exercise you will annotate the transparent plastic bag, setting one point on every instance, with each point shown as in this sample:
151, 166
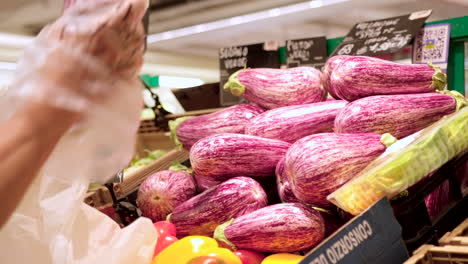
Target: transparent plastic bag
405, 163
66, 69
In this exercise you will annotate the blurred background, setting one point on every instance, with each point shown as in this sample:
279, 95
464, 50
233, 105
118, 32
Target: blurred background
185, 35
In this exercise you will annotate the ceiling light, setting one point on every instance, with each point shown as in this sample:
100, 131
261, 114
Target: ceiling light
13, 40
243, 19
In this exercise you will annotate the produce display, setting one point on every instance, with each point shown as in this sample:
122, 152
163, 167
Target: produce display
232, 198
291, 123
185, 131
265, 184
272, 88
399, 115
319, 164
285, 227
355, 77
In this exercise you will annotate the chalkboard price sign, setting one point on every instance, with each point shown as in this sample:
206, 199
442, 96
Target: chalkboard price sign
232, 59
382, 36
306, 52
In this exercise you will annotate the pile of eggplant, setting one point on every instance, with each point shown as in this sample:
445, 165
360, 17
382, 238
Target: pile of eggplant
262, 171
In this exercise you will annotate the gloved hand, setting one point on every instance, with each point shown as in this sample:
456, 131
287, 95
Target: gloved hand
92, 50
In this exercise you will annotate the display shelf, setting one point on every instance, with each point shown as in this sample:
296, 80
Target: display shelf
428, 254
459, 236
193, 113
133, 180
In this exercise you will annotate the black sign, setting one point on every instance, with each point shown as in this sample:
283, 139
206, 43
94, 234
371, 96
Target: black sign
306, 52
372, 237
232, 59
382, 36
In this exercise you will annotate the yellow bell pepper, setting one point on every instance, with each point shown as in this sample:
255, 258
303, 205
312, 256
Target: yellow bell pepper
188, 248
282, 258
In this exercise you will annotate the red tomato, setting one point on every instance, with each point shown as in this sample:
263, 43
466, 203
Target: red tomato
249, 257
165, 228
206, 260
163, 242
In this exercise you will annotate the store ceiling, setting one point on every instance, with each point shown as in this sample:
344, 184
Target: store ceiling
331, 18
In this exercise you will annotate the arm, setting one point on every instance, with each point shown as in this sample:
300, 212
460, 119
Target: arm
27, 140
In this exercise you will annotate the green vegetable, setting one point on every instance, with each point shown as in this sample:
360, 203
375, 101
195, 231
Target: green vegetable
405, 163
137, 163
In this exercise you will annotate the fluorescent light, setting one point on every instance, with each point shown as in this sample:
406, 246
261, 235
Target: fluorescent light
13, 40
243, 19
179, 82
7, 66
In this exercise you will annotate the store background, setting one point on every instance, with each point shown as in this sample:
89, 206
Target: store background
185, 35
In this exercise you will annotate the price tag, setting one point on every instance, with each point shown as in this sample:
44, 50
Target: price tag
232, 59
306, 52
382, 36
432, 45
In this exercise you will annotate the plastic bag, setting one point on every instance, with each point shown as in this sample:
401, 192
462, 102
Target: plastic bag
73, 64
405, 163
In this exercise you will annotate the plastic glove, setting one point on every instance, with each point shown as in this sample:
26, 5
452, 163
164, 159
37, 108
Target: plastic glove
81, 59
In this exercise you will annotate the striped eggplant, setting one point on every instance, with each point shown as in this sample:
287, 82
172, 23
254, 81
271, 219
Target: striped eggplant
285, 227
204, 183
272, 88
358, 76
224, 156
284, 188
161, 192
204, 212
399, 115
291, 123
326, 71
319, 164
185, 131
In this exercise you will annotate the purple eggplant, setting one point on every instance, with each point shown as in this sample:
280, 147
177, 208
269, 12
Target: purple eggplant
204, 183
326, 72
439, 199
161, 192
319, 164
358, 76
272, 88
286, 227
399, 115
185, 131
223, 156
284, 188
204, 212
291, 123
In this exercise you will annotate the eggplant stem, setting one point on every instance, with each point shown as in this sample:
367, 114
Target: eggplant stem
439, 78
461, 101
173, 125
234, 85
387, 139
220, 236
